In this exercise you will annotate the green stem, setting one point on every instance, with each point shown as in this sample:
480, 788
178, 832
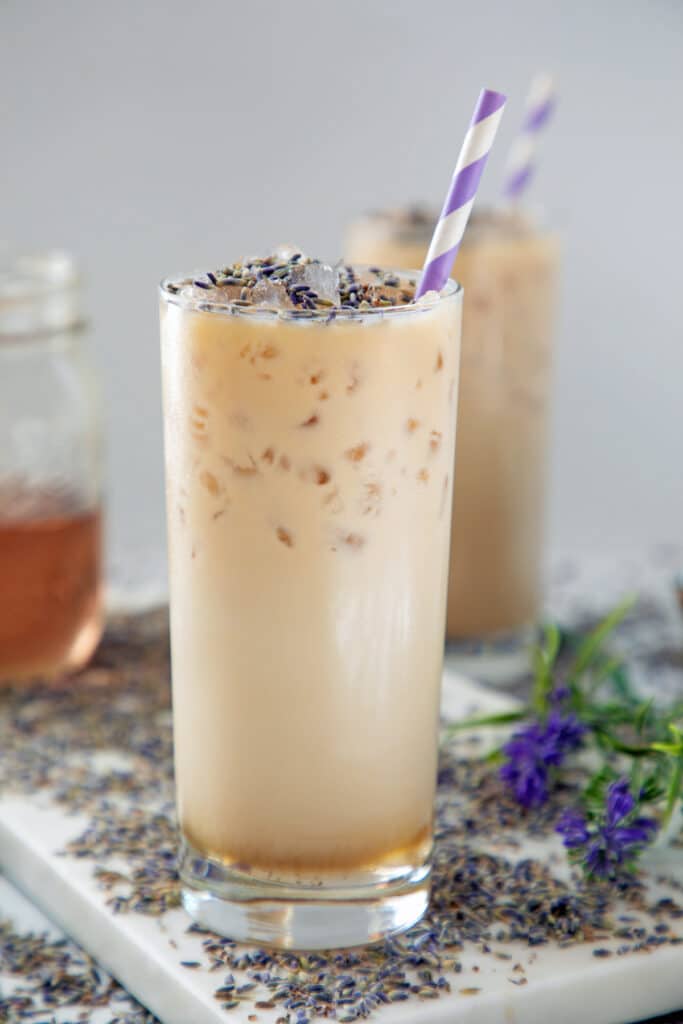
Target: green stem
593, 642
618, 745
503, 718
674, 791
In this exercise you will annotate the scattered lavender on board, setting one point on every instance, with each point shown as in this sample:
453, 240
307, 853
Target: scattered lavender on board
51, 974
485, 893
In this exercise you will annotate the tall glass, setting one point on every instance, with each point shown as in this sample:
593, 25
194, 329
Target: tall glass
509, 271
309, 466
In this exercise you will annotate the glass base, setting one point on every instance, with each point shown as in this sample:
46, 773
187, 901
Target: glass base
331, 915
503, 659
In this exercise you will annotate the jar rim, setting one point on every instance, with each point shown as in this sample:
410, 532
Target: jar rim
39, 294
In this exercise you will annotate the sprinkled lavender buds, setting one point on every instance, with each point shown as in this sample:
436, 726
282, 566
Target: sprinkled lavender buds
298, 283
54, 974
484, 893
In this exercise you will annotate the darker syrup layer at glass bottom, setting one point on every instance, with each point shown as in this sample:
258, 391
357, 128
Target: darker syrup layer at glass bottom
271, 866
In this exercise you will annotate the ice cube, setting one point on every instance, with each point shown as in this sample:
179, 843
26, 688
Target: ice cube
284, 252
321, 278
428, 298
270, 294
197, 293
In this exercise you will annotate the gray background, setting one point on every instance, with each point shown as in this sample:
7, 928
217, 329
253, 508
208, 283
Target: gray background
155, 137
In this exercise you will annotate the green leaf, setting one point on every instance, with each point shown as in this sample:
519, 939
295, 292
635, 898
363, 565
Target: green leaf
544, 657
672, 749
590, 646
622, 685
675, 748
676, 733
502, 718
672, 715
604, 670
594, 792
642, 715
621, 746
495, 757
674, 790
603, 715
651, 789
636, 775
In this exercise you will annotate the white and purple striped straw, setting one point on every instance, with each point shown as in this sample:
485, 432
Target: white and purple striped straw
520, 165
452, 221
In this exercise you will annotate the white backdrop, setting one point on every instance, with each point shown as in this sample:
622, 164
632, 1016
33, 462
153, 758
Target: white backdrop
159, 136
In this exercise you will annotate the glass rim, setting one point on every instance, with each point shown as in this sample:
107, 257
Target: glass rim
527, 222
40, 294
450, 290
30, 276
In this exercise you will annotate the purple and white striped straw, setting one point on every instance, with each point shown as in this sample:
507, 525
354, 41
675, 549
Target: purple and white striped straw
520, 165
452, 221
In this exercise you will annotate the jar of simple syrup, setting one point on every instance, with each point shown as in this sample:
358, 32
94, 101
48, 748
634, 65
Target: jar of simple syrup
50, 473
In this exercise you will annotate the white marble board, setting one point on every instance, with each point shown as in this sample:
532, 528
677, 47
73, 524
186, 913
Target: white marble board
145, 954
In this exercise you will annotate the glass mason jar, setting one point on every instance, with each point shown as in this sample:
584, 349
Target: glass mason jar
50, 473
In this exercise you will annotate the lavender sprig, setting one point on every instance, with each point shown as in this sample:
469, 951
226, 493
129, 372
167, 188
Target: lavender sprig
590, 704
533, 753
608, 846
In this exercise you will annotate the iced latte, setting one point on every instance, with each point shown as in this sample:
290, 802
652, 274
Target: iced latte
508, 270
309, 432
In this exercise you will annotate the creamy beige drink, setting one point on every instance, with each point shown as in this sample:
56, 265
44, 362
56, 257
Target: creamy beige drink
509, 271
309, 465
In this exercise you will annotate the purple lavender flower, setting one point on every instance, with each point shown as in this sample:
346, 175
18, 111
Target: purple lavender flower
607, 850
533, 750
525, 772
559, 695
619, 801
574, 829
563, 733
